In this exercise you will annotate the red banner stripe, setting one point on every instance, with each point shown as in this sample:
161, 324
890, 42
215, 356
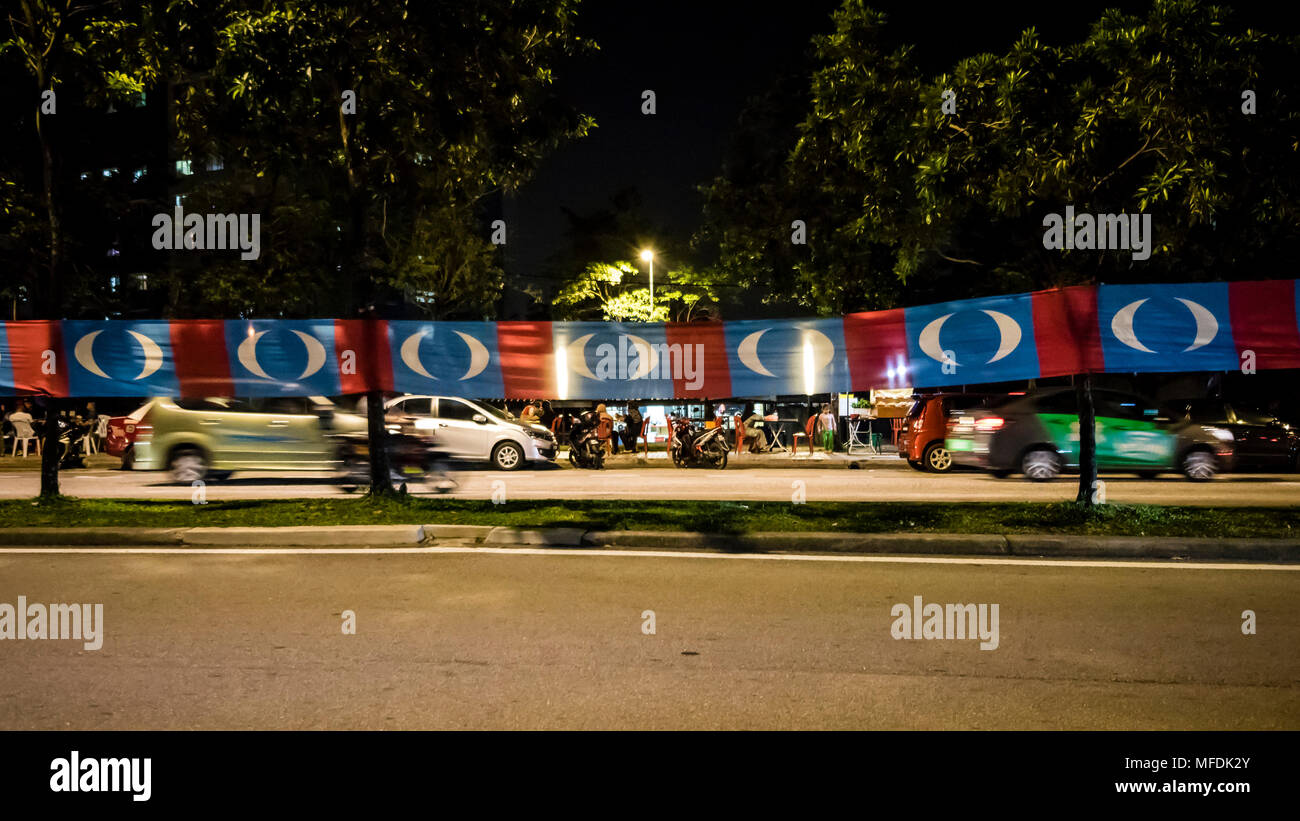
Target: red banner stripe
1066, 332
876, 345
1263, 316
364, 356
527, 359
703, 347
202, 367
37, 357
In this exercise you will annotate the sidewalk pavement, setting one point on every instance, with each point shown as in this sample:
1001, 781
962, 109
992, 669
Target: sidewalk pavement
924, 544
839, 459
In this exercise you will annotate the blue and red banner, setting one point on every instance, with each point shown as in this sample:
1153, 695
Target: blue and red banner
1213, 326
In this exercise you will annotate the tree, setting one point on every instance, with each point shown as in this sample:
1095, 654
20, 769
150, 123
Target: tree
613, 292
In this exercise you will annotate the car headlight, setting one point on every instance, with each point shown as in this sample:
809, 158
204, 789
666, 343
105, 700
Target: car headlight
1220, 433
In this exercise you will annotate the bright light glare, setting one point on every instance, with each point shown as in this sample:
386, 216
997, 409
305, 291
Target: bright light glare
647, 255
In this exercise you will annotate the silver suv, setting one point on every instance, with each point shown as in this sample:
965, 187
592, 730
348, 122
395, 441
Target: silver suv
474, 431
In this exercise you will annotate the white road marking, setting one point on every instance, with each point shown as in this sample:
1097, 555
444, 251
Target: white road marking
655, 554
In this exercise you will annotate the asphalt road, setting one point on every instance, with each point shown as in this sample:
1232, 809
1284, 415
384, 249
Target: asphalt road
877, 480
492, 640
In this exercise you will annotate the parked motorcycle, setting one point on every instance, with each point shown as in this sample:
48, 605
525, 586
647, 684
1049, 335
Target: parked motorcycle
413, 457
72, 444
585, 448
692, 447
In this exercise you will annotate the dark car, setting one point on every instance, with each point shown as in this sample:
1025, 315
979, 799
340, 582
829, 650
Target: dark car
1038, 435
1261, 441
921, 441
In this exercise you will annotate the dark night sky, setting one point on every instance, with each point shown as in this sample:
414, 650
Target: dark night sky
704, 60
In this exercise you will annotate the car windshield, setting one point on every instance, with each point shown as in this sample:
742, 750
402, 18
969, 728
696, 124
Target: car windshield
504, 416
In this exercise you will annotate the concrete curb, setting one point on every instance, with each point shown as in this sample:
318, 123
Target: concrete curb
42, 536
922, 543
349, 535
1044, 545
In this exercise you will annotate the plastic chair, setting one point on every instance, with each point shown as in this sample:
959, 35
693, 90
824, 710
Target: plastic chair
807, 434
740, 433
24, 433
644, 436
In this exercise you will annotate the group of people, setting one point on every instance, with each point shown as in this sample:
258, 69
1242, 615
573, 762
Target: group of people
21, 424
755, 437
621, 429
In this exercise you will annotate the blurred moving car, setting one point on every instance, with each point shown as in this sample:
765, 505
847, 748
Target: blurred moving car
210, 438
477, 432
121, 434
1261, 441
1038, 435
921, 441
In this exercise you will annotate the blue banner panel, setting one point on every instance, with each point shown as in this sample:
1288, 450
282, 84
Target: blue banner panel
282, 357
972, 341
612, 360
1149, 328
451, 358
120, 358
787, 356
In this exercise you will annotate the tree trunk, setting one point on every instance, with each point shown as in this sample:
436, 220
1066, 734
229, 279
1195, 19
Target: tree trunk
381, 483
50, 451
1087, 439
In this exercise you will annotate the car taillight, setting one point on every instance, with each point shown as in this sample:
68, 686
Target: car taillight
989, 423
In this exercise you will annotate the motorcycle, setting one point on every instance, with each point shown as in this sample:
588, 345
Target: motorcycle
71, 444
693, 447
413, 458
585, 448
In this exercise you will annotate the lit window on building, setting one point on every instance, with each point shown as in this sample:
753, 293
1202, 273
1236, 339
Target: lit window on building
184, 168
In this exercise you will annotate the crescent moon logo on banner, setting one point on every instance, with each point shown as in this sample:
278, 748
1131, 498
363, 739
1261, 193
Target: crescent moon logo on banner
1207, 327
411, 354
1008, 334
478, 356
85, 353
247, 354
647, 358
929, 340
315, 354
153, 355
1122, 326
748, 353
577, 356
823, 348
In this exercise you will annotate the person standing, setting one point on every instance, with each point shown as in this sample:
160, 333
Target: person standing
632, 427
826, 429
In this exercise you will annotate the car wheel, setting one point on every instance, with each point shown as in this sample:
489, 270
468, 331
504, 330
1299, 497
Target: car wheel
1041, 465
1199, 465
915, 465
188, 466
128, 458
937, 458
507, 456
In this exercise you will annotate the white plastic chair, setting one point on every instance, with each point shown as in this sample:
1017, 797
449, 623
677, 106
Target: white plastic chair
23, 433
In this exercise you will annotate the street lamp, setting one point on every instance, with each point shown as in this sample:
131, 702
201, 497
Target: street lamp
649, 256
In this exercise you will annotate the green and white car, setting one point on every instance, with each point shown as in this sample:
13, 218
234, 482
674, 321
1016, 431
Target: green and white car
1038, 435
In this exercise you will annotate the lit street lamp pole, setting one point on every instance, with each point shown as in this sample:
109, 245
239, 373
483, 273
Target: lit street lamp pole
649, 256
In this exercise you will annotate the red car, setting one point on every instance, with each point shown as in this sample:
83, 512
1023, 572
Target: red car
921, 440
122, 431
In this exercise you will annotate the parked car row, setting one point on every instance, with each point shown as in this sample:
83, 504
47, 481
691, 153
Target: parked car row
213, 437
1037, 435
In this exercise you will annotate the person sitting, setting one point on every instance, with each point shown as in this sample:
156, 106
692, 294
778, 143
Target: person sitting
755, 440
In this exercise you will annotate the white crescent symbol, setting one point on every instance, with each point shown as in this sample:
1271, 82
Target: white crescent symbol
411, 354
315, 354
1009, 334
153, 355
823, 348
929, 341
86, 355
478, 356
748, 353
577, 356
247, 354
646, 357
1122, 326
1207, 327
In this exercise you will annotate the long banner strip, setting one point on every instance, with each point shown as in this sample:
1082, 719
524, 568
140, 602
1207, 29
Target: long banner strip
1215, 326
